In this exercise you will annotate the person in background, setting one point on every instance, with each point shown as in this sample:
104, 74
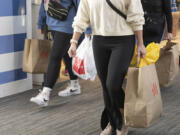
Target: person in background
113, 47
157, 14
62, 33
174, 6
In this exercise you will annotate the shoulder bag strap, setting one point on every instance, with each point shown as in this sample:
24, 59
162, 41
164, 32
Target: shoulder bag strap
116, 10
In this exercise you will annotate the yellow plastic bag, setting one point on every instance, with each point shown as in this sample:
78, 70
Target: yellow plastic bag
152, 55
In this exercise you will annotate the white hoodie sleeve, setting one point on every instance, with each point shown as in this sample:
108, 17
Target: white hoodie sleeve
82, 19
135, 14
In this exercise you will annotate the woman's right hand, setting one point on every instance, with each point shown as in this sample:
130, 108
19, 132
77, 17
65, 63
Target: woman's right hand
72, 50
141, 51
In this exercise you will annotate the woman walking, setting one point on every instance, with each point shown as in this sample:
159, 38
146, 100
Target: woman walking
157, 14
113, 46
62, 33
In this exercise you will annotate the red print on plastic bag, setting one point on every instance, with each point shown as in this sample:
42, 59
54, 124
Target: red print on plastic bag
78, 66
155, 89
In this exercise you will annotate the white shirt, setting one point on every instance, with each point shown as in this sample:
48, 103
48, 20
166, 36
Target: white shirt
105, 21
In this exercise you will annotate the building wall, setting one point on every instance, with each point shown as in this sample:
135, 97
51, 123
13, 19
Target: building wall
13, 31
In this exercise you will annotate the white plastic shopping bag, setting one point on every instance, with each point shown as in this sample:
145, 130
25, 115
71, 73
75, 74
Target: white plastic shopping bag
83, 63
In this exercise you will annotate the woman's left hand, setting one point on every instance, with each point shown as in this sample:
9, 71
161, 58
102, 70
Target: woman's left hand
169, 36
141, 51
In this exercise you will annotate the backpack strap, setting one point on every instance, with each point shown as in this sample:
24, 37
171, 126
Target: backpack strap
72, 4
116, 10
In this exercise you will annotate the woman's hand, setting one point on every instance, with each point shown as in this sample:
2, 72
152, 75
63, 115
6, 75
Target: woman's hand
74, 42
141, 51
72, 50
88, 35
169, 36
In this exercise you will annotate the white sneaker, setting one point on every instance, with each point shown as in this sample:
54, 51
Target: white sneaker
41, 99
124, 129
69, 91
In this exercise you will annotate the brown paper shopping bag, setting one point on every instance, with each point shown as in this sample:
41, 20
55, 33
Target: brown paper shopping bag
168, 64
143, 103
36, 55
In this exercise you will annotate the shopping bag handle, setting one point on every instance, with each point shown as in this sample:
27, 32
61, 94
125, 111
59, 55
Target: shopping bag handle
138, 61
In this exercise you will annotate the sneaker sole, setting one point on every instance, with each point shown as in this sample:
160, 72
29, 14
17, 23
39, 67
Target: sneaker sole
72, 94
37, 102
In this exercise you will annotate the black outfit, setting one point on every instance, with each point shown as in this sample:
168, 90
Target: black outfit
59, 50
112, 58
156, 13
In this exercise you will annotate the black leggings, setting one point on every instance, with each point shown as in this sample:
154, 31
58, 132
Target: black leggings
59, 50
112, 58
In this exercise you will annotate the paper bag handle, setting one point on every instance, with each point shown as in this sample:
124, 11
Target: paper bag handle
169, 45
138, 61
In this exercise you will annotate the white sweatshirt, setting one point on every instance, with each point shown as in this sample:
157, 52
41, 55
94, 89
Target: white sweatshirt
106, 22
